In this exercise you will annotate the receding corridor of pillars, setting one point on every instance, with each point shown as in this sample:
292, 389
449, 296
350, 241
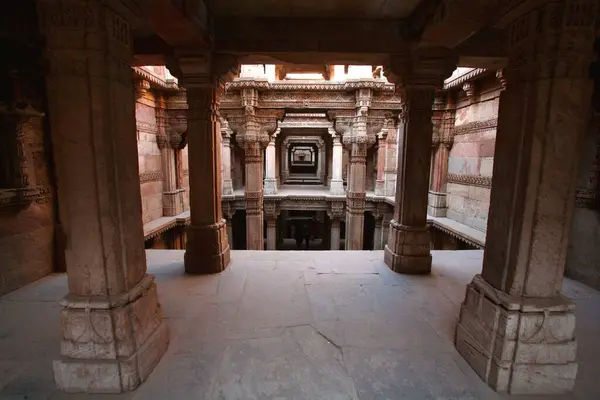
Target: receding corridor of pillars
515, 329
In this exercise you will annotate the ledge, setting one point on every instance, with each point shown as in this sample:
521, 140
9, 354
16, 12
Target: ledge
349, 85
460, 231
156, 227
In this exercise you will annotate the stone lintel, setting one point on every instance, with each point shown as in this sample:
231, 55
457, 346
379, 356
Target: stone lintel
516, 348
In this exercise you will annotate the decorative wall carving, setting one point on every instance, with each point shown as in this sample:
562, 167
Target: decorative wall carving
471, 180
151, 176
475, 126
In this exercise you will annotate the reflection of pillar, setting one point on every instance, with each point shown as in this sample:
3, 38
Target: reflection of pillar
113, 332
379, 181
226, 159
270, 186
529, 345
337, 184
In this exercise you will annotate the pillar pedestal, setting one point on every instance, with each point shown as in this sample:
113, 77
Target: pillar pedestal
436, 204
521, 345
210, 251
407, 250
101, 350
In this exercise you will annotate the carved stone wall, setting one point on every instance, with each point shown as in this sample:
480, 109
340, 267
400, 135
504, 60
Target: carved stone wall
471, 156
583, 257
27, 215
149, 154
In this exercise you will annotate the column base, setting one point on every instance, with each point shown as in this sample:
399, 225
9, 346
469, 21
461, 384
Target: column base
436, 205
408, 249
110, 345
173, 202
336, 188
270, 186
518, 345
207, 249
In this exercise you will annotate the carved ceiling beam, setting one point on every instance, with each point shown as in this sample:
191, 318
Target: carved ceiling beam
454, 21
179, 23
424, 67
299, 35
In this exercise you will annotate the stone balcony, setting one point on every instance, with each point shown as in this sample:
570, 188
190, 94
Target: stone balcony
303, 325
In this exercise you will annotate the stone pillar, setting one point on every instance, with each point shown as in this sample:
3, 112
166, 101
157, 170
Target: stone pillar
378, 235
335, 213
515, 328
92, 121
271, 214
356, 195
226, 159
253, 129
228, 214
381, 152
207, 249
254, 195
443, 125
270, 186
391, 160
408, 248
337, 184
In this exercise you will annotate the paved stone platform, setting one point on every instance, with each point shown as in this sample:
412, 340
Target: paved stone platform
290, 325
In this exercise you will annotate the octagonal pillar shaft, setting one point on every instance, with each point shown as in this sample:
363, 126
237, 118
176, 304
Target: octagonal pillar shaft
516, 330
113, 332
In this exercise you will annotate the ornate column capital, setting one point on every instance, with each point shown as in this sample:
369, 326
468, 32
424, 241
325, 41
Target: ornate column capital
336, 210
421, 67
205, 69
271, 210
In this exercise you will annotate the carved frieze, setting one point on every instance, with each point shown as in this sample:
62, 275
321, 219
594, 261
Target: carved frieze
471, 180
475, 126
151, 176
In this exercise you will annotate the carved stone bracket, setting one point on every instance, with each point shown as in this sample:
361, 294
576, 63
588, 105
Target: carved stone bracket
336, 210
271, 210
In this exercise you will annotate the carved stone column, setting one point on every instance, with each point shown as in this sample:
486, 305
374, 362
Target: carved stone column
408, 248
516, 330
92, 120
271, 214
228, 213
226, 159
270, 186
391, 159
335, 213
253, 129
356, 195
443, 125
337, 184
207, 249
381, 152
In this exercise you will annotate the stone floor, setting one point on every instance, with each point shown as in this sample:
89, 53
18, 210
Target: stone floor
290, 325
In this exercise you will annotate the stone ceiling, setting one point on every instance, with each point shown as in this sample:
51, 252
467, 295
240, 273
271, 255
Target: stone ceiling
363, 9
